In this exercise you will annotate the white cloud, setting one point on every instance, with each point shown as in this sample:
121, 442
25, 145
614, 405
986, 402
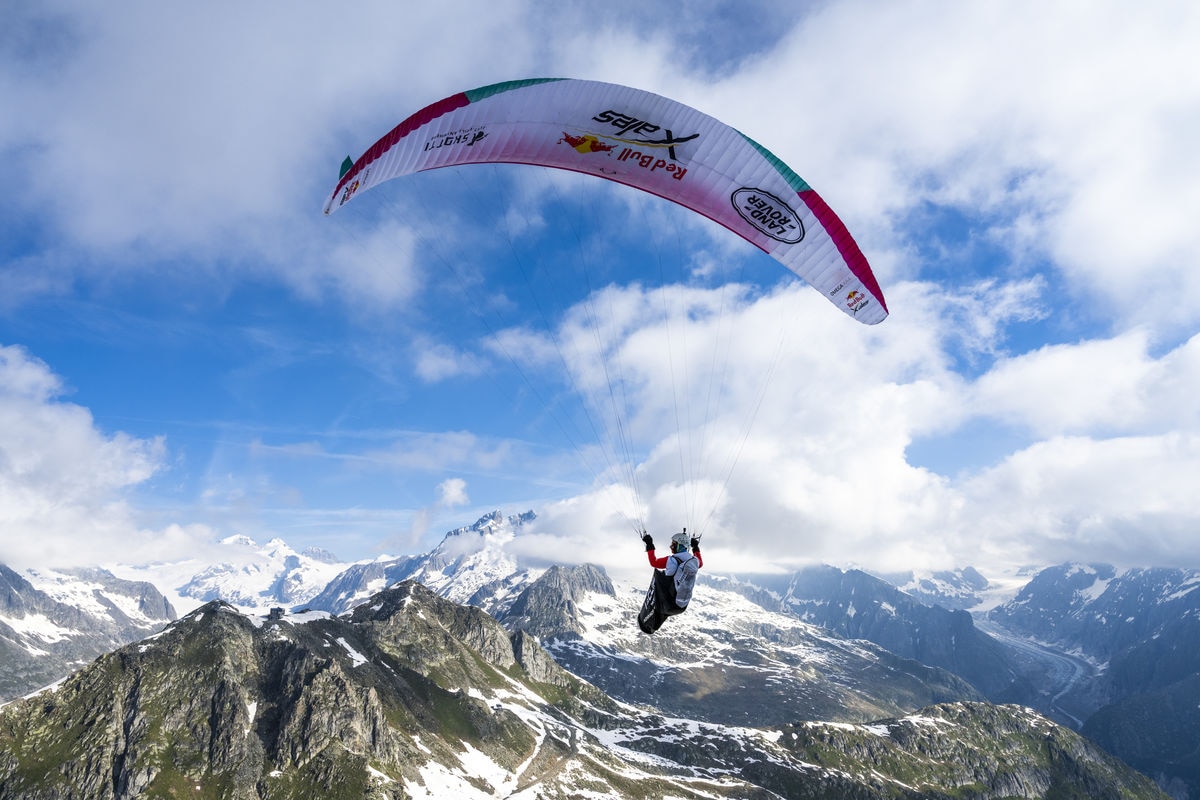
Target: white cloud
1097, 386
1070, 124
440, 452
1128, 500
63, 482
1057, 119
452, 492
372, 271
1070, 388
171, 133
825, 477
437, 361
166, 143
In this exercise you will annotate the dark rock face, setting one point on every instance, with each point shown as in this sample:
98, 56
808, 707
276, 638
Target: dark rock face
549, 605
985, 751
294, 708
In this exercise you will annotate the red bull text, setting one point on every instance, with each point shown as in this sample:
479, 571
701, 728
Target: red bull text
652, 162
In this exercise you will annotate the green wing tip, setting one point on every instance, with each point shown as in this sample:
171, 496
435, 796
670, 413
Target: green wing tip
346, 166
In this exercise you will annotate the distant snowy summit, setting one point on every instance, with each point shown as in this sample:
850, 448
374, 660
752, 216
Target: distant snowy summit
253, 577
471, 565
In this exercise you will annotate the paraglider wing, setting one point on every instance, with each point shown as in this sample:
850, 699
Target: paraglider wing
643, 140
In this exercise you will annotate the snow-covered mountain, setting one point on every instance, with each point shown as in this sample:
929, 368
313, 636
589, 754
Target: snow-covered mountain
725, 660
471, 565
856, 605
1099, 609
413, 696
251, 576
958, 590
1099, 646
53, 621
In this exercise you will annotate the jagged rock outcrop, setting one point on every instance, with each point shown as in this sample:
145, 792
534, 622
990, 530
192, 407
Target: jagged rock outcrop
548, 606
972, 750
1134, 637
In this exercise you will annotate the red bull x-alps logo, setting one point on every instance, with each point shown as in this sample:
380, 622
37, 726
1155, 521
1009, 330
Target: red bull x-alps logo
856, 300
351, 188
646, 141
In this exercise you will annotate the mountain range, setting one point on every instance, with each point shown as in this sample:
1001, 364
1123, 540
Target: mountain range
821, 646
411, 695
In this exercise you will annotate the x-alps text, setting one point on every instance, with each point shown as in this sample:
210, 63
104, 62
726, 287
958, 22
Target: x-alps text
625, 124
641, 132
652, 162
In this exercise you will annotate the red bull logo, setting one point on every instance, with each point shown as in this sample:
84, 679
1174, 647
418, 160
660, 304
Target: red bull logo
589, 143
856, 300
348, 193
586, 143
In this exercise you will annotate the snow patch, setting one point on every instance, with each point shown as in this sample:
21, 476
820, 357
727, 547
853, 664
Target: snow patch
38, 626
358, 658
1099, 586
378, 776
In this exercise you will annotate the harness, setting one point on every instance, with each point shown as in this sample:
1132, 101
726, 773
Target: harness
685, 577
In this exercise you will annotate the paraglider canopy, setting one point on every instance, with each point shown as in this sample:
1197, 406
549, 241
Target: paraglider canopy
642, 140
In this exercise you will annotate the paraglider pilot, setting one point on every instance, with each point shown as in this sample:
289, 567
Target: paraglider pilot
674, 577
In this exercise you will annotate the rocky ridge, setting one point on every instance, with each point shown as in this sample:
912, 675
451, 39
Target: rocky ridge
410, 695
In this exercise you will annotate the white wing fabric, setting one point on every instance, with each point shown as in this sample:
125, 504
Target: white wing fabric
643, 140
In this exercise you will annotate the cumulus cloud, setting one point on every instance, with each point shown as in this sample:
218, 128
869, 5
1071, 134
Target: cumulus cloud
1125, 500
173, 146
64, 482
1049, 123
452, 492
820, 470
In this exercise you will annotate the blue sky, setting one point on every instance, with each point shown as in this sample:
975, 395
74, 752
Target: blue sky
189, 349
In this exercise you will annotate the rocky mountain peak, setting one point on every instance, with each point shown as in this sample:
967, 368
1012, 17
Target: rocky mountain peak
549, 605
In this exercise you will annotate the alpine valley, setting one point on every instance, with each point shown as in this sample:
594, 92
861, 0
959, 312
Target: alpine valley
463, 673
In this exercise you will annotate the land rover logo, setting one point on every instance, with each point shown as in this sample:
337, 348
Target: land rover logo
769, 214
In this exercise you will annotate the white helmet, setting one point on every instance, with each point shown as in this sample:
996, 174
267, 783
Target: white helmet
681, 540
